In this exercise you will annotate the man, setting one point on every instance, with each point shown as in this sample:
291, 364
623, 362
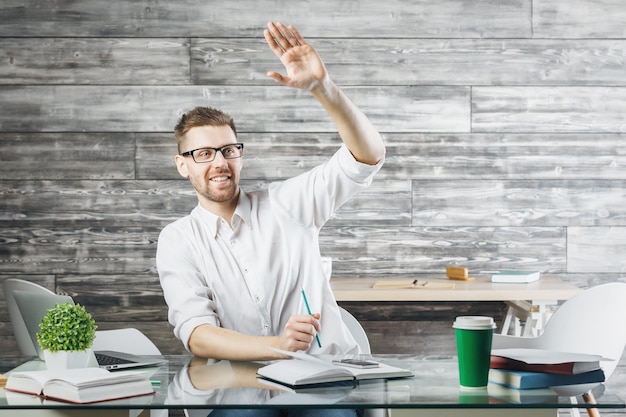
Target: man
236, 271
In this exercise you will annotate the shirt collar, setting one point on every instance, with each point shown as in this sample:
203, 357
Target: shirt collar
242, 212
244, 207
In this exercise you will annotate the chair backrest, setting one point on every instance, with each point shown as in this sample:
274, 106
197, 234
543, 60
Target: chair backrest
27, 303
593, 322
357, 330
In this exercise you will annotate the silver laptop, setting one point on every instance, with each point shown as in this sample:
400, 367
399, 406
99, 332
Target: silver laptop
33, 307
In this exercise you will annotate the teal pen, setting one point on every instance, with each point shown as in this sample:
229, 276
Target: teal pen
308, 309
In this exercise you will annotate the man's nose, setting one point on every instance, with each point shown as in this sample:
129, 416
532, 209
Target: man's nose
219, 158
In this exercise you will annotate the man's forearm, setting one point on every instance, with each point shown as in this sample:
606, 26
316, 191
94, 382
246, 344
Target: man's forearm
355, 129
218, 343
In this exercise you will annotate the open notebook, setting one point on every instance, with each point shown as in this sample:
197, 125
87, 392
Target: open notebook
308, 371
33, 307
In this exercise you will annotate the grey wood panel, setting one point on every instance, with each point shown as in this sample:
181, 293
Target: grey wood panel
276, 156
112, 202
154, 155
221, 61
444, 156
66, 156
428, 156
419, 328
391, 19
519, 202
548, 109
116, 298
112, 248
154, 203
94, 61
591, 279
422, 61
373, 252
596, 249
579, 19
143, 109
78, 247
385, 203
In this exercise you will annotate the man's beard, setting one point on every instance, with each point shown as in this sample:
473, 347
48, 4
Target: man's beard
221, 195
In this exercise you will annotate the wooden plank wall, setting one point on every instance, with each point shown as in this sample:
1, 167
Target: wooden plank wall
504, 123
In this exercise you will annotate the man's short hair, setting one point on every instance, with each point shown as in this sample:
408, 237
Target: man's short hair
201, 116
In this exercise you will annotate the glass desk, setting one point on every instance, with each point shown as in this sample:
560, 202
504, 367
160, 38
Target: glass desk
186, 382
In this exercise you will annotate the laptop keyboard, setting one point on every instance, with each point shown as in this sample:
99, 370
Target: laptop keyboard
110, 360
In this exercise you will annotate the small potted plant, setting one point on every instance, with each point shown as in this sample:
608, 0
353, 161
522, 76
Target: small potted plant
66, 335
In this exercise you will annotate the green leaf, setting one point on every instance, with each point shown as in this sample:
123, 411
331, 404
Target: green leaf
66, 327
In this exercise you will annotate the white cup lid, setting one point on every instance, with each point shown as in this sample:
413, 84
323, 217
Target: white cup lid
474, 323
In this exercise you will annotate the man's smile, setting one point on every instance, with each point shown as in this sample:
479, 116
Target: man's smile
220, 179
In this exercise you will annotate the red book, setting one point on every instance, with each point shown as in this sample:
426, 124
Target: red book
535, 360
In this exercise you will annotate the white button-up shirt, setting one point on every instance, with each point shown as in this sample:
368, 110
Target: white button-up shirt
249, 278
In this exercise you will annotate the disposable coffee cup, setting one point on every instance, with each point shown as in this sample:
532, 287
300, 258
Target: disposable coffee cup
473, 344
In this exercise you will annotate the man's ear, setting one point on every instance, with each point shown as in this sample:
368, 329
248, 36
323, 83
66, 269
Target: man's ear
181, 166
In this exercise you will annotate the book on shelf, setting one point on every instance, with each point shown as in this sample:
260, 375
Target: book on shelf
540, 360
304, 370
515, 277
528, 380
83, 385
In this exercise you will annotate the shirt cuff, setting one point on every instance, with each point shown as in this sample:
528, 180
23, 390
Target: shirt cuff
184, 333
357, 171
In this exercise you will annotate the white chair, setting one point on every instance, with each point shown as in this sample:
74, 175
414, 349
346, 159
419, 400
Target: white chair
592, 322
356, 329
363, 341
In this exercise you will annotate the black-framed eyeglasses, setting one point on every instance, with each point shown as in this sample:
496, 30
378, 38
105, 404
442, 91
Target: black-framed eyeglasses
203, 155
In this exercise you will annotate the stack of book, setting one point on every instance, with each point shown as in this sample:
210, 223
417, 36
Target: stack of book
536, 368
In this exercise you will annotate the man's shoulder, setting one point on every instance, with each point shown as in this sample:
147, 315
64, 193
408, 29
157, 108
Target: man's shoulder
183, 223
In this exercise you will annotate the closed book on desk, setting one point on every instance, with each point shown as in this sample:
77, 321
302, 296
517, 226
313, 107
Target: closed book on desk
527, 380
84, 385
539, 360
305, 370
515, 277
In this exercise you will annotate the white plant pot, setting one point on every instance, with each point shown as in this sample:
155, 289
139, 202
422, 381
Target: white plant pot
66, 359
